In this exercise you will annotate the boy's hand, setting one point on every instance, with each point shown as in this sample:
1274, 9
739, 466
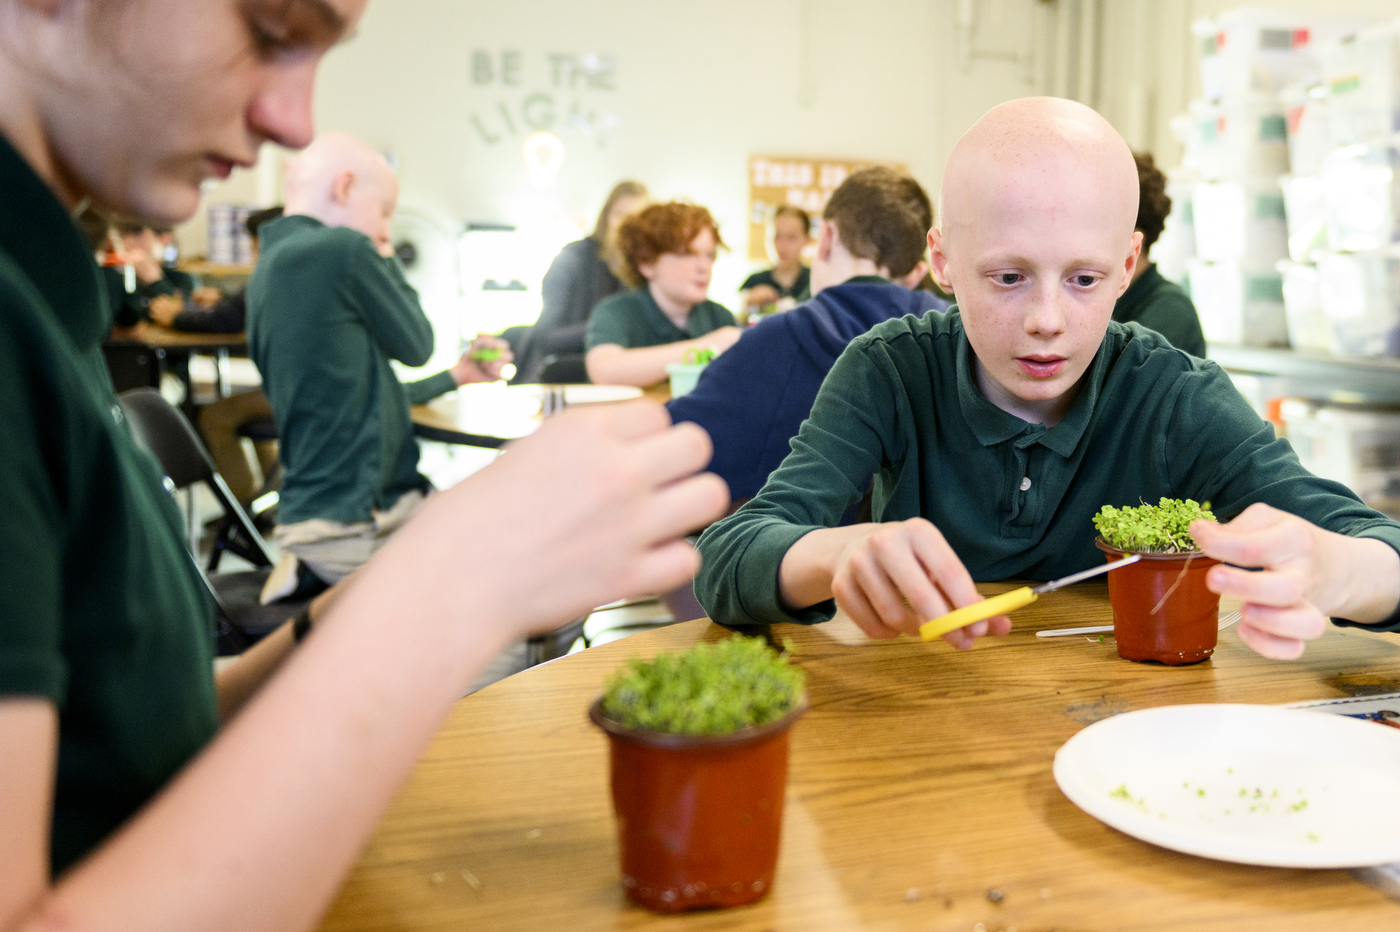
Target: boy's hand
1306, 574
903, 574
761, 295
164, 308
483, 360
592, 507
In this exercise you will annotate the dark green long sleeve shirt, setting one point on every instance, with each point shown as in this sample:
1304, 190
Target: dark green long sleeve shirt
326, 314
1014, 499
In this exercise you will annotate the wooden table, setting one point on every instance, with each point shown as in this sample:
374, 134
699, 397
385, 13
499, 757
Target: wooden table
173, 348
492, 414
920, 780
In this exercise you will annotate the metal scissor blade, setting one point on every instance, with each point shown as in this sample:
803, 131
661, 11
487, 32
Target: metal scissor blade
1079, 577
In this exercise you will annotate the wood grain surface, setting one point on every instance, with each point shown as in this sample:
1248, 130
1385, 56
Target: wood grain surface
165, 338
920, 781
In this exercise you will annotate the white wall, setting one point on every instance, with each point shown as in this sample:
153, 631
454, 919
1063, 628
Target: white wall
698, 88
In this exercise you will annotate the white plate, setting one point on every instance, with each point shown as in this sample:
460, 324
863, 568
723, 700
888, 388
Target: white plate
599, 394
1243, 783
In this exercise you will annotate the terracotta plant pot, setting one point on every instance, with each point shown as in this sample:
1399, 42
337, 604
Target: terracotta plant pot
1184, 629
698, 818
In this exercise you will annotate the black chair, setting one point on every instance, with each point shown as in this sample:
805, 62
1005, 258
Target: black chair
563, 369
166, 433
132, 364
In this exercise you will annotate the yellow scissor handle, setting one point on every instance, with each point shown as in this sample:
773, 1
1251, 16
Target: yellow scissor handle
962, 617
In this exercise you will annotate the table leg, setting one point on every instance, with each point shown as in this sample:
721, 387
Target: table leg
221, 379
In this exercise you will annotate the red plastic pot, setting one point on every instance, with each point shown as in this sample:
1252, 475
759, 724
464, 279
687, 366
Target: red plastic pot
1184, 627
698, 818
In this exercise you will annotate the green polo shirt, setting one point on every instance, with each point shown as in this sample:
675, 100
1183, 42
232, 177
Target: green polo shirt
1014, 499
326, 313
632, 319
1161, 305
102, 611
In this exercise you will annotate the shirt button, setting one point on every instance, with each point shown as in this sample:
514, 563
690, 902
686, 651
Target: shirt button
1026, 484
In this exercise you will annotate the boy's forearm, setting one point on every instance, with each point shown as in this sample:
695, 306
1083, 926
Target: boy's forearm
1364, 578
804, 576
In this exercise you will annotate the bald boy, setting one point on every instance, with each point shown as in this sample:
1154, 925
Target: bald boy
328, 308
996, 431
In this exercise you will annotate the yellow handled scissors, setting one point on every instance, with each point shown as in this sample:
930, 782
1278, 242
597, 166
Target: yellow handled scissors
1009, 601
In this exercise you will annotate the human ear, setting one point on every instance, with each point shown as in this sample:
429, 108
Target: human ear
648, 270
340, 187
826, 239
1131, 263
938, 260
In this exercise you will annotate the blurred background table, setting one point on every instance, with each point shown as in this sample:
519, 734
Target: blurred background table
493, 414
920, 780
137, 356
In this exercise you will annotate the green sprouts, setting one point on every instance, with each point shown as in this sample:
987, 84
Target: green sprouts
698, 357
1160, 528
710, 689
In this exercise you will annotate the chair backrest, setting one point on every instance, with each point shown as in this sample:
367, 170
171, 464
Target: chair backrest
564, 370
162, 429
131, 365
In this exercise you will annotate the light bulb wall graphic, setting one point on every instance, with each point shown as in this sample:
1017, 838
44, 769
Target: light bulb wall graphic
544, 156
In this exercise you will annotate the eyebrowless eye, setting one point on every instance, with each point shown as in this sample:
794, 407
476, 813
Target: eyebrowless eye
1084, 281
1009, 278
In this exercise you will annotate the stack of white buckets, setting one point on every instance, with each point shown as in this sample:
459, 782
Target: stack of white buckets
1285, 207
1286, 213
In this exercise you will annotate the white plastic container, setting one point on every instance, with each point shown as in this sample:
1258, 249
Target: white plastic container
1237, 304
684, 377
1308, 327
1238, 136
1305, 215
1362, 72
1308, 126
1362, 197
1177, 243
1242, 220
1261, 49
1354, 445
1360, 295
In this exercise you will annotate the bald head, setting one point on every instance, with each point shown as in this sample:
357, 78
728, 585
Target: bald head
343, 182
1040, 153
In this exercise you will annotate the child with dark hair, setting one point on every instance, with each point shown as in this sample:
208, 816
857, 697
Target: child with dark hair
668, 255
870, 254
1151, 300
792, 232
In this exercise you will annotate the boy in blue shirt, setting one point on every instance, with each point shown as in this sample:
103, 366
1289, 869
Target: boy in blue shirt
996, 431
754, 397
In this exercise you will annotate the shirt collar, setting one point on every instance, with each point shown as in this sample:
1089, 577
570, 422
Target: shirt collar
39, 235
991, 425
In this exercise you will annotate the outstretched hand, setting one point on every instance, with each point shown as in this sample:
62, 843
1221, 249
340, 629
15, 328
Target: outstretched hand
1304, 574
473, 366
903, 574
591, 508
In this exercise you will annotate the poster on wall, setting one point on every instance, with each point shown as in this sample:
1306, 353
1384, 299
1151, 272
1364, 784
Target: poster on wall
775, 181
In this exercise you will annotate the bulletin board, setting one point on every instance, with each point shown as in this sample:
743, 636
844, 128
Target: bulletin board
802, 182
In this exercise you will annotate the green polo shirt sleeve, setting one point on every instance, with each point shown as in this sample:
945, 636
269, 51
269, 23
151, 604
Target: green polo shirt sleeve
425, 390
616, 320
388, 304
1217, 449
854, 427
31, 586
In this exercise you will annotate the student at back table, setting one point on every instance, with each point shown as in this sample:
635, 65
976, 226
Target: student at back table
870, 250
997, 431
669, 255
328, 308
